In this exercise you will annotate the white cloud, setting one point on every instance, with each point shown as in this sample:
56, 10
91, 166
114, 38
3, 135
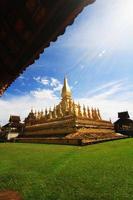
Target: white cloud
76, 82
43, 94
111, 98
21, 77
37, 99
17, 90
110, 27
42, 80
110, 92
56, 84
105, 86
101, 54
21, 105
109, 107
52, 82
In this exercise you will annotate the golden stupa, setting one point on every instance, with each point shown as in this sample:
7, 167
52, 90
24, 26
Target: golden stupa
67, 122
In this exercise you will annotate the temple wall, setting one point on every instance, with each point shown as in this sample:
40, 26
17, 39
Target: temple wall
80, 122
68, 125
50, 141
90, 121
52, 124
93, 130
52, 128
50, 131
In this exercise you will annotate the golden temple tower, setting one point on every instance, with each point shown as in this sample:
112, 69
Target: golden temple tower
66, 95
66, 91
68, 120
67, 107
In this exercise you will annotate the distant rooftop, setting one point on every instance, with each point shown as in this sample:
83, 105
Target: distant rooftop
14, 118
123, 115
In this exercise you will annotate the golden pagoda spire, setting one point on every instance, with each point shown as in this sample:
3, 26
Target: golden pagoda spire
35, 114
41, 113
60, 111
88, 112
73, 108
96, 114
84, 111
31, 110
57, 111
38, 115
46, 112
54, 112
66, 91
99, 115
92, 113
79, 110
70, 106
50, 114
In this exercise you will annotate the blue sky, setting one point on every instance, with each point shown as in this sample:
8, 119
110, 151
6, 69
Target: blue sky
95, 53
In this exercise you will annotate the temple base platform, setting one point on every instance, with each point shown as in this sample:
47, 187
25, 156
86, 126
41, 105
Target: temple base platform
65, 141
70, 130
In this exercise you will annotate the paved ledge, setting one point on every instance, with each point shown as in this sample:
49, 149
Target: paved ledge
64, 141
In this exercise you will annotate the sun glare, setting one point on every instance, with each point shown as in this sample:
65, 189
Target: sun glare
121, 20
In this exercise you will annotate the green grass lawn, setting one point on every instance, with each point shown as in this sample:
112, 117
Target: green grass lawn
50, 172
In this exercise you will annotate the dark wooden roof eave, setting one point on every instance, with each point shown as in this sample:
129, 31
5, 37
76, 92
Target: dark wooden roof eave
30, 42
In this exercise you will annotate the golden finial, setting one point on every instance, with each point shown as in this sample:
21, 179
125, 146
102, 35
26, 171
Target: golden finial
50, 113
79, 110
96, 114
88, 112
35, 114
92, 113
60, 111
84, 111
99, 115
42, 111
49, 109
74, 108
31, 110
54, 112
46, 112
70, 106
66, 91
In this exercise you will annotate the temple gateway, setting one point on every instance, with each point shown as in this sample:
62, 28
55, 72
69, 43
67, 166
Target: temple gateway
67, 122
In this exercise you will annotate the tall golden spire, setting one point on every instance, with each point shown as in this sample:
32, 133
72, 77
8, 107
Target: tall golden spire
66, 91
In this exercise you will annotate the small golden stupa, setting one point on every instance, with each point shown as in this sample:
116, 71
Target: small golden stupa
67, 120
